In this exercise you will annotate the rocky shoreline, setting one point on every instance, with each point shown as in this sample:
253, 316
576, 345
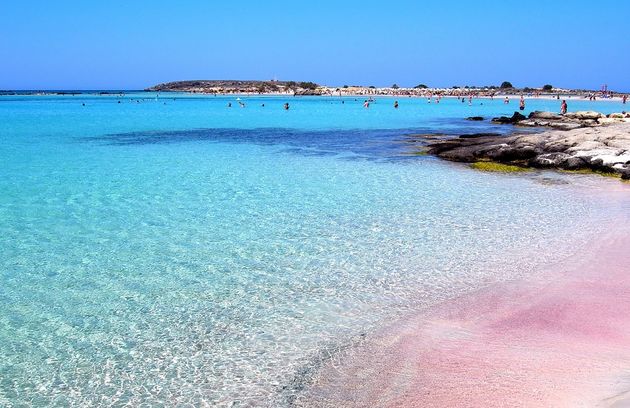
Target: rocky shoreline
577, 141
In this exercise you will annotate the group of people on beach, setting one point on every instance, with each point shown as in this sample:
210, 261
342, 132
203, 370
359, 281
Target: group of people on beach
366, 103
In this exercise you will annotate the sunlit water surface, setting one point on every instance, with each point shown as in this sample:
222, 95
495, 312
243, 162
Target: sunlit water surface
172, 250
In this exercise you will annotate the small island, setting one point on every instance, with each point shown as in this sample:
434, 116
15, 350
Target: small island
239, 87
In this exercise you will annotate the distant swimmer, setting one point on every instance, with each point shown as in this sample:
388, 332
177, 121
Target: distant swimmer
624, 99
286, 106
563, 107
506, 100
83, 104
263, 105
396, 104
118, 101
343, 102
229, 104
366, 104
241, 104
521, 104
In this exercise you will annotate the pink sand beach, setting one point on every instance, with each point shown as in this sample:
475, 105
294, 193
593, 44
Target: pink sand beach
558, 339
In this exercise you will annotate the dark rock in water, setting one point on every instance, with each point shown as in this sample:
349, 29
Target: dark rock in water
476, 118
517, 117
574, 163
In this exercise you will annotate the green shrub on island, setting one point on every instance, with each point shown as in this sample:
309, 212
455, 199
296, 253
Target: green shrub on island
395, 86
421, 86
308, 85
506, 85
547, 87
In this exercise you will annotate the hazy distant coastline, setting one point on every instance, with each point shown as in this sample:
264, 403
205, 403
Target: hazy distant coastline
307, 88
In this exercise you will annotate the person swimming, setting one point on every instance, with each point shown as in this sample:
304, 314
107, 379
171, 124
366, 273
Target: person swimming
366, 104
286, 106
396, 104
229, 104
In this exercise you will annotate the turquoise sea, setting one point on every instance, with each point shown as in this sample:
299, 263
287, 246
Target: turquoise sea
172, 251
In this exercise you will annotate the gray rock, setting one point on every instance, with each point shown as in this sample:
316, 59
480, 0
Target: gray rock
603, 148
544, 115
565, 125
585, 115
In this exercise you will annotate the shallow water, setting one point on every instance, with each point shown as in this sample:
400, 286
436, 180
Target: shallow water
178, 251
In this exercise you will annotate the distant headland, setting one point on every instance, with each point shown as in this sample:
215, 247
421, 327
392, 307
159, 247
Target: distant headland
240, 86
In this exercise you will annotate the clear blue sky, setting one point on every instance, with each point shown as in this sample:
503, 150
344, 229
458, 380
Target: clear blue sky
134, 44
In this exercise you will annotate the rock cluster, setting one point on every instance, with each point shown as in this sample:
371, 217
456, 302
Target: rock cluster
568, 121
597, 148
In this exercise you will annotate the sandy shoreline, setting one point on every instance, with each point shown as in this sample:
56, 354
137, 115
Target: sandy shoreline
558, 339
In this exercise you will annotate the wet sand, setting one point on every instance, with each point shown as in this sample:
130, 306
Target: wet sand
559, 339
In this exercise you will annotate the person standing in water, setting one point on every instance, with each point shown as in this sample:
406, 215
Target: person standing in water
522, 103
286, 106
396, 104
563, 107
506, 100
624, 99
366, 104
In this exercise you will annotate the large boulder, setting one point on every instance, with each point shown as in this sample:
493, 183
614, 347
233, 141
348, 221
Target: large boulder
544, 115
585, 115
610, 120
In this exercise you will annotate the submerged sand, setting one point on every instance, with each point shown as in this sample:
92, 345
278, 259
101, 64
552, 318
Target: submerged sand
559, 339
